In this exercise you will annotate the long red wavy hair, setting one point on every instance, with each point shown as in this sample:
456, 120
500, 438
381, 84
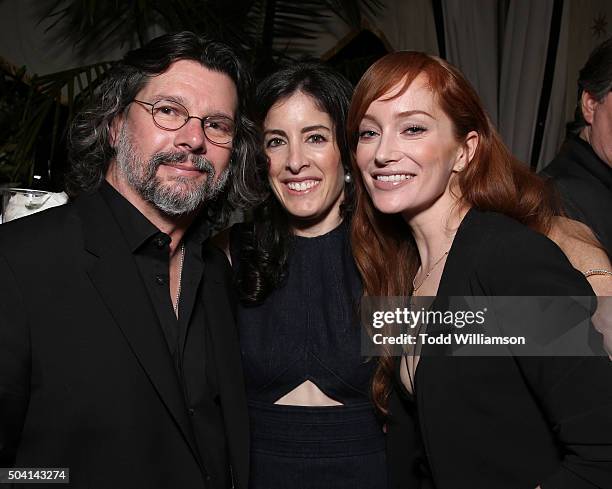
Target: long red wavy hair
493, 181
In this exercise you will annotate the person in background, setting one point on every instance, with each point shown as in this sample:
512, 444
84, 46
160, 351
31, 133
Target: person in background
582, 171
312, 421
443, 209
119, 357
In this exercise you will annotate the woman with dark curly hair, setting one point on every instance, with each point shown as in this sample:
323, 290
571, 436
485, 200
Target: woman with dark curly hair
312, 422
441, 199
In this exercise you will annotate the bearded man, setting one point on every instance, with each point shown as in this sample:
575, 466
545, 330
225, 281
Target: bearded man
119, 359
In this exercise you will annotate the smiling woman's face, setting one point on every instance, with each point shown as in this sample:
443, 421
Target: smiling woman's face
407, 150
305, 171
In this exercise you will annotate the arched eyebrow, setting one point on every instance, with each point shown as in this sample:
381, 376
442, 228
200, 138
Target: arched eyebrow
278, 132
399, 115
406, 113
316, 127
304, 130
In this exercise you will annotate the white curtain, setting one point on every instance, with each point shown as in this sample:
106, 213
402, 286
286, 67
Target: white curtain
523, 61
504, 58
408, 25
471, 35
554, 132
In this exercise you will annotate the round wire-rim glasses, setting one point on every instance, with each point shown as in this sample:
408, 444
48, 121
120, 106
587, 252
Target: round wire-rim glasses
171, 116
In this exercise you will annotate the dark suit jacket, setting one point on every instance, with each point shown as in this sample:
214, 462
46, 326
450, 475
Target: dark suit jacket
505, 422
585, 183
86, 378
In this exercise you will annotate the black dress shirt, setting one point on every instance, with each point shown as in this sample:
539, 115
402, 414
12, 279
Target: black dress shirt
190, 347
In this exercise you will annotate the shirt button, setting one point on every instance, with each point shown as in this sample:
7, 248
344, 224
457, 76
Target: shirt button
160, 242
160, 280
191, 411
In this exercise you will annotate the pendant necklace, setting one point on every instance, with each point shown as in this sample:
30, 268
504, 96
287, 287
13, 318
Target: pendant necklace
431, 269
180, 277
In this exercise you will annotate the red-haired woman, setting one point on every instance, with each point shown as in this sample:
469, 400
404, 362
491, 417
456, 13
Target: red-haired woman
443, 201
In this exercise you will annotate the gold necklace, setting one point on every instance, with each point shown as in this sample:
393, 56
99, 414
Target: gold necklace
431, 269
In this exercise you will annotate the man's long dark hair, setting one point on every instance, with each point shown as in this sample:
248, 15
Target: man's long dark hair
90, 149
264, 242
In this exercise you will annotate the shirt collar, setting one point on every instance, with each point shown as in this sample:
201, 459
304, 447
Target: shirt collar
137, 229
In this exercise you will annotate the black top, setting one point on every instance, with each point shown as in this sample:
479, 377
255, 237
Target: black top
308, 329
504, 422
585, 183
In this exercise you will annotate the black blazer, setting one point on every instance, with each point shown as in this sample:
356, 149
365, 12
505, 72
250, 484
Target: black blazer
86, 378
585, 183
505, 422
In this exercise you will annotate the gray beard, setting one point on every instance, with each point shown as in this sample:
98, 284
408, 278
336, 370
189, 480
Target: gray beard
176, 197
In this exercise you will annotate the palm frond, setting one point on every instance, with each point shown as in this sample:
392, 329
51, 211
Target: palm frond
48, 94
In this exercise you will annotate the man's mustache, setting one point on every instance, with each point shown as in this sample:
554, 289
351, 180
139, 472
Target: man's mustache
199, 162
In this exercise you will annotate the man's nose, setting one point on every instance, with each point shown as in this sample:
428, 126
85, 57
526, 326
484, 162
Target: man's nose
191, 137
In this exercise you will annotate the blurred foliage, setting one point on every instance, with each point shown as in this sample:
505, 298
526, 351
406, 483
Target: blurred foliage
358, 54
14, 99
35, 113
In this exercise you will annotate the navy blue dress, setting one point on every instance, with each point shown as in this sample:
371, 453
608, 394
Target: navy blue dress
309, 330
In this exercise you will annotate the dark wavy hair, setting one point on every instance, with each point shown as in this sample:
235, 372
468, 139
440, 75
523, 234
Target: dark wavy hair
264, 242
90, 150
595, 77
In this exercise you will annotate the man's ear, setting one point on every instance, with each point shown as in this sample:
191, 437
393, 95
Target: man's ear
467, 152
115, 130
588, 104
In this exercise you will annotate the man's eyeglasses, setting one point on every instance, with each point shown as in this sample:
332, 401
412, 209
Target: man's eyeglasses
171, 116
